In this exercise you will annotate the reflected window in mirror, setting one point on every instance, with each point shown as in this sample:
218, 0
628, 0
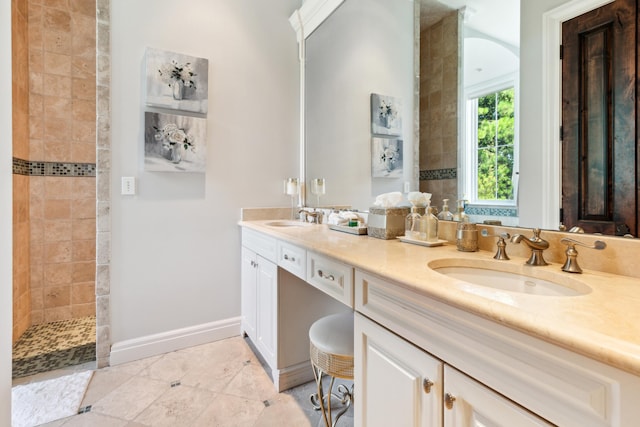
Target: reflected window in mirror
488, 134
491, 142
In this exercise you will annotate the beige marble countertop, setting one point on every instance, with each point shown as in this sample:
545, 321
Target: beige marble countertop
603, 324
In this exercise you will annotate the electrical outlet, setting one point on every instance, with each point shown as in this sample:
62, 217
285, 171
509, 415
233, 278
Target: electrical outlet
128, 186
407, 186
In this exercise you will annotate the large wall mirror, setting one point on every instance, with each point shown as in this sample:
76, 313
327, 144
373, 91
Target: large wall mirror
365, 47
370, 46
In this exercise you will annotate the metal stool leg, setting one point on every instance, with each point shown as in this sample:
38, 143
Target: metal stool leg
344, 395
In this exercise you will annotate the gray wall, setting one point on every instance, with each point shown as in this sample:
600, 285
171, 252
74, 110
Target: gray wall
365, 47
176, 245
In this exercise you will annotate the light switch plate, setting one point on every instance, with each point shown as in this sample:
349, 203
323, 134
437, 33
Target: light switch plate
128, 186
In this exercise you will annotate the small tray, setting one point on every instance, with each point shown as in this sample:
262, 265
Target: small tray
350, 230
406, 239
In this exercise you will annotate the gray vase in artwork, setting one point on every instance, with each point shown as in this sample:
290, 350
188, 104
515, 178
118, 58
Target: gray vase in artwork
388, 163
178, 90
175, 154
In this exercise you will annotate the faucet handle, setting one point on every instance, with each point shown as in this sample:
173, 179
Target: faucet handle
571, 264
501, 253
536, 236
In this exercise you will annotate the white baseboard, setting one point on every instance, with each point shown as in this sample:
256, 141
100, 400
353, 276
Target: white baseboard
165, 342
293, 376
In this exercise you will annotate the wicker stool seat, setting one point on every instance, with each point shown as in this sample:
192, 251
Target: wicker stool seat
331, 350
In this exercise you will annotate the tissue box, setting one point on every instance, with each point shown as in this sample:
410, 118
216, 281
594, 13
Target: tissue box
386, 223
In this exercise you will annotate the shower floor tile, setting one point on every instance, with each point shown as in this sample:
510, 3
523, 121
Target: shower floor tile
55, 345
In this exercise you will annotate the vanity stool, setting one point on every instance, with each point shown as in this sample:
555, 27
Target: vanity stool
331, 339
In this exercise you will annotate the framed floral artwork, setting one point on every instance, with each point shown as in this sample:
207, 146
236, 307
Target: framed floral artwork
176, 81
386, 157
174, 143
386, 115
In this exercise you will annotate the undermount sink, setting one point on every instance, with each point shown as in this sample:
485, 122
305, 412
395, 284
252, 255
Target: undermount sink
506, 277
287, 223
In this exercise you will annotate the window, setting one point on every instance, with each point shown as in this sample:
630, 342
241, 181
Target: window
491, 146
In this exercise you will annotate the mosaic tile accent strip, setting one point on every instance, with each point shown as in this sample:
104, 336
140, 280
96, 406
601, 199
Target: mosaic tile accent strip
55, 345
20, 167
33, 168
491, 211
434, 174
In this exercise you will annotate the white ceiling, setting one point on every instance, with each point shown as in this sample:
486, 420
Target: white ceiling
492, 35
499, 19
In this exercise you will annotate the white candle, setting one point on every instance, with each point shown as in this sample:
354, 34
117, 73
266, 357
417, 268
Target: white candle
292, 187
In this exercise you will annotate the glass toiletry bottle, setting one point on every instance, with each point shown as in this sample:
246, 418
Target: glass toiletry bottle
431, 222
445, 214
412, 224
460, 216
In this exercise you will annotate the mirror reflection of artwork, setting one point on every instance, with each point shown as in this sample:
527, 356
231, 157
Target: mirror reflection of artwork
386, 158
386, 117
177, 81
174, 143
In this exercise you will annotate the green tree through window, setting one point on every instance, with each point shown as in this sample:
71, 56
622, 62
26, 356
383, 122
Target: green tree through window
495, 145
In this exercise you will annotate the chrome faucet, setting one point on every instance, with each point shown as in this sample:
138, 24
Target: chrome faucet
571, 264
315, 215
536, 244
501, 253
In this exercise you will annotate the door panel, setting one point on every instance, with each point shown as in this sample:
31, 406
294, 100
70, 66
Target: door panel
397, 384
471, 404
599, 119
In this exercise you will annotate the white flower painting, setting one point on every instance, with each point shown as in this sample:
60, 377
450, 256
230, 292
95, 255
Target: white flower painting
176, 81
386, 158
174, 143
386, 117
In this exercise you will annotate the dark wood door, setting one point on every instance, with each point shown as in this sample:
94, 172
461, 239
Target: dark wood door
599, 115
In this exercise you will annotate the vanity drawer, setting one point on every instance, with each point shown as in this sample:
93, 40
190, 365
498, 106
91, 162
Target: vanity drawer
293, 259
261, 244
331, 277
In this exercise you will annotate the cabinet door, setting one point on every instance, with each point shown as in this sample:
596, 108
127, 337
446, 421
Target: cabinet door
471, 404
248, 292
267, 309
396, 383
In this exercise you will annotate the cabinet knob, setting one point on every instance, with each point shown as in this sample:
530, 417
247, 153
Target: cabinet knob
292, 259
328, 277
427, 384
448, 400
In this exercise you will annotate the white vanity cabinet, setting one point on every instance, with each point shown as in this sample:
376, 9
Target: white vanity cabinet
497, 375
467, 403
278, 306
396, 383
259, 276
401, 384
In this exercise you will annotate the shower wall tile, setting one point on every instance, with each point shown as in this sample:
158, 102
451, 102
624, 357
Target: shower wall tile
62, 137
57, 274
20, 85
84, 271
439, 45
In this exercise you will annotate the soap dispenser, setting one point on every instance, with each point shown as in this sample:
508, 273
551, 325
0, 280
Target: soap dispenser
460, 216
412, 223
445, 214
431, 224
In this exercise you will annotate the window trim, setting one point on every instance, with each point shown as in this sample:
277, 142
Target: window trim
467, 180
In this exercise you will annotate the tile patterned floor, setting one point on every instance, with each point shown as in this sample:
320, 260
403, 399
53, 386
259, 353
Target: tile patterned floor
216, 384
55, 345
